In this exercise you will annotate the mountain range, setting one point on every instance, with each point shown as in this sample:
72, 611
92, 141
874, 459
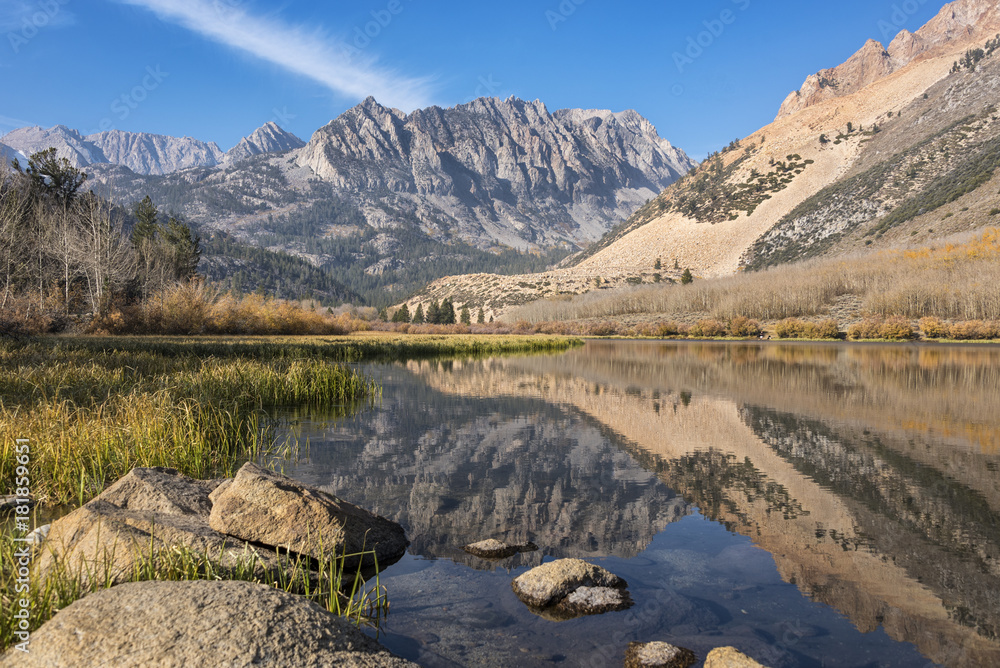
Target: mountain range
898, 146
383, 202
144, 153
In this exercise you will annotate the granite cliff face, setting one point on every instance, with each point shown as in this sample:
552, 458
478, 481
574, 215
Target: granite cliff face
498, 172
962, 22
269, 138
145, 153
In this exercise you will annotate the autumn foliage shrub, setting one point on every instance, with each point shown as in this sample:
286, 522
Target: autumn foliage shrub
793, 328
708, 328
744, 327
934, 328
896, 328
975, 330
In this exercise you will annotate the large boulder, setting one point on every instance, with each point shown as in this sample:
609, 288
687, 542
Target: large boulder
730, 657
658, 655
198, 624
145, 513
568, 588
265, 507
161, 490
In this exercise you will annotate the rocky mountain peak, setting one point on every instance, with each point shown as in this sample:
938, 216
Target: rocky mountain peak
501, 166
269, 138
957, 26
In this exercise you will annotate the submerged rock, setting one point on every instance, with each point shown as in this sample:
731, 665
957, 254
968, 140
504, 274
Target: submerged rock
492, 548
730, 657
658, 655
568, 588
265, 507
198, 624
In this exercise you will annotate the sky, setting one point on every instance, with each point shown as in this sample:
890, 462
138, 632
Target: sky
704, 72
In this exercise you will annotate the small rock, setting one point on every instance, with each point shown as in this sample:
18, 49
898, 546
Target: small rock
658, 655
261, 506
549, 587
495, 549
199, 624
730, 657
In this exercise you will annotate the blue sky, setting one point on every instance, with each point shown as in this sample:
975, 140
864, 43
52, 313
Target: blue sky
703, 72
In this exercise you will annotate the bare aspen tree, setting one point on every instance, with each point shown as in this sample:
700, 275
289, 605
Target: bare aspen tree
106, 256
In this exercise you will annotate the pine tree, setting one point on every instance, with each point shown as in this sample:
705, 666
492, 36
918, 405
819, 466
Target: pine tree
481, 318
418, 317
466, 318
402, 314
686, 277
657, 265
434, 313
447, 313
145, 221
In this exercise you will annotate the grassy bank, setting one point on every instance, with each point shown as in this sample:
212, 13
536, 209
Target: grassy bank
955, 282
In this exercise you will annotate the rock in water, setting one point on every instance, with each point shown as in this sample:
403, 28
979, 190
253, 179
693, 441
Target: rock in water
658, 655
566, 588
730, 657
492, 548
265, 507
198, 624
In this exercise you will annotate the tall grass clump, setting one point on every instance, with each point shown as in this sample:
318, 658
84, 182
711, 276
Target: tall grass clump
93, 414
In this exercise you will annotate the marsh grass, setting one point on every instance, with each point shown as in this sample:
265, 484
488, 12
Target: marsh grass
329, 581
93, 413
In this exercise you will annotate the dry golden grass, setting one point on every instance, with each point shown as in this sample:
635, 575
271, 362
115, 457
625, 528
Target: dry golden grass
953, 282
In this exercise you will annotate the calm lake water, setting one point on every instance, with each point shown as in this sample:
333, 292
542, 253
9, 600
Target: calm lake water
812, 505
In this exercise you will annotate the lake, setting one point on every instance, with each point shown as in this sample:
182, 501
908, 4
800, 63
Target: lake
810, 504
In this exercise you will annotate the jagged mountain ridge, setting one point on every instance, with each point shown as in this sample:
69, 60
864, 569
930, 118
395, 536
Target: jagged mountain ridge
956, 24
145, 153
502, 172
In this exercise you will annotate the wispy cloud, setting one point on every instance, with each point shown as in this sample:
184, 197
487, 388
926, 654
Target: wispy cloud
19, 15
310, 53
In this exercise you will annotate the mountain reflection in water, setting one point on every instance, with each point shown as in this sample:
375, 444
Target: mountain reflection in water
869, 473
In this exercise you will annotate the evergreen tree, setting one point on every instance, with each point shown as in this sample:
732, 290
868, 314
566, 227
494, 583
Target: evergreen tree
657, 265
686, 277
418, 317
185, 248
434, 313
466, 318
402, 314
447, 313
145, 221
481, 318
